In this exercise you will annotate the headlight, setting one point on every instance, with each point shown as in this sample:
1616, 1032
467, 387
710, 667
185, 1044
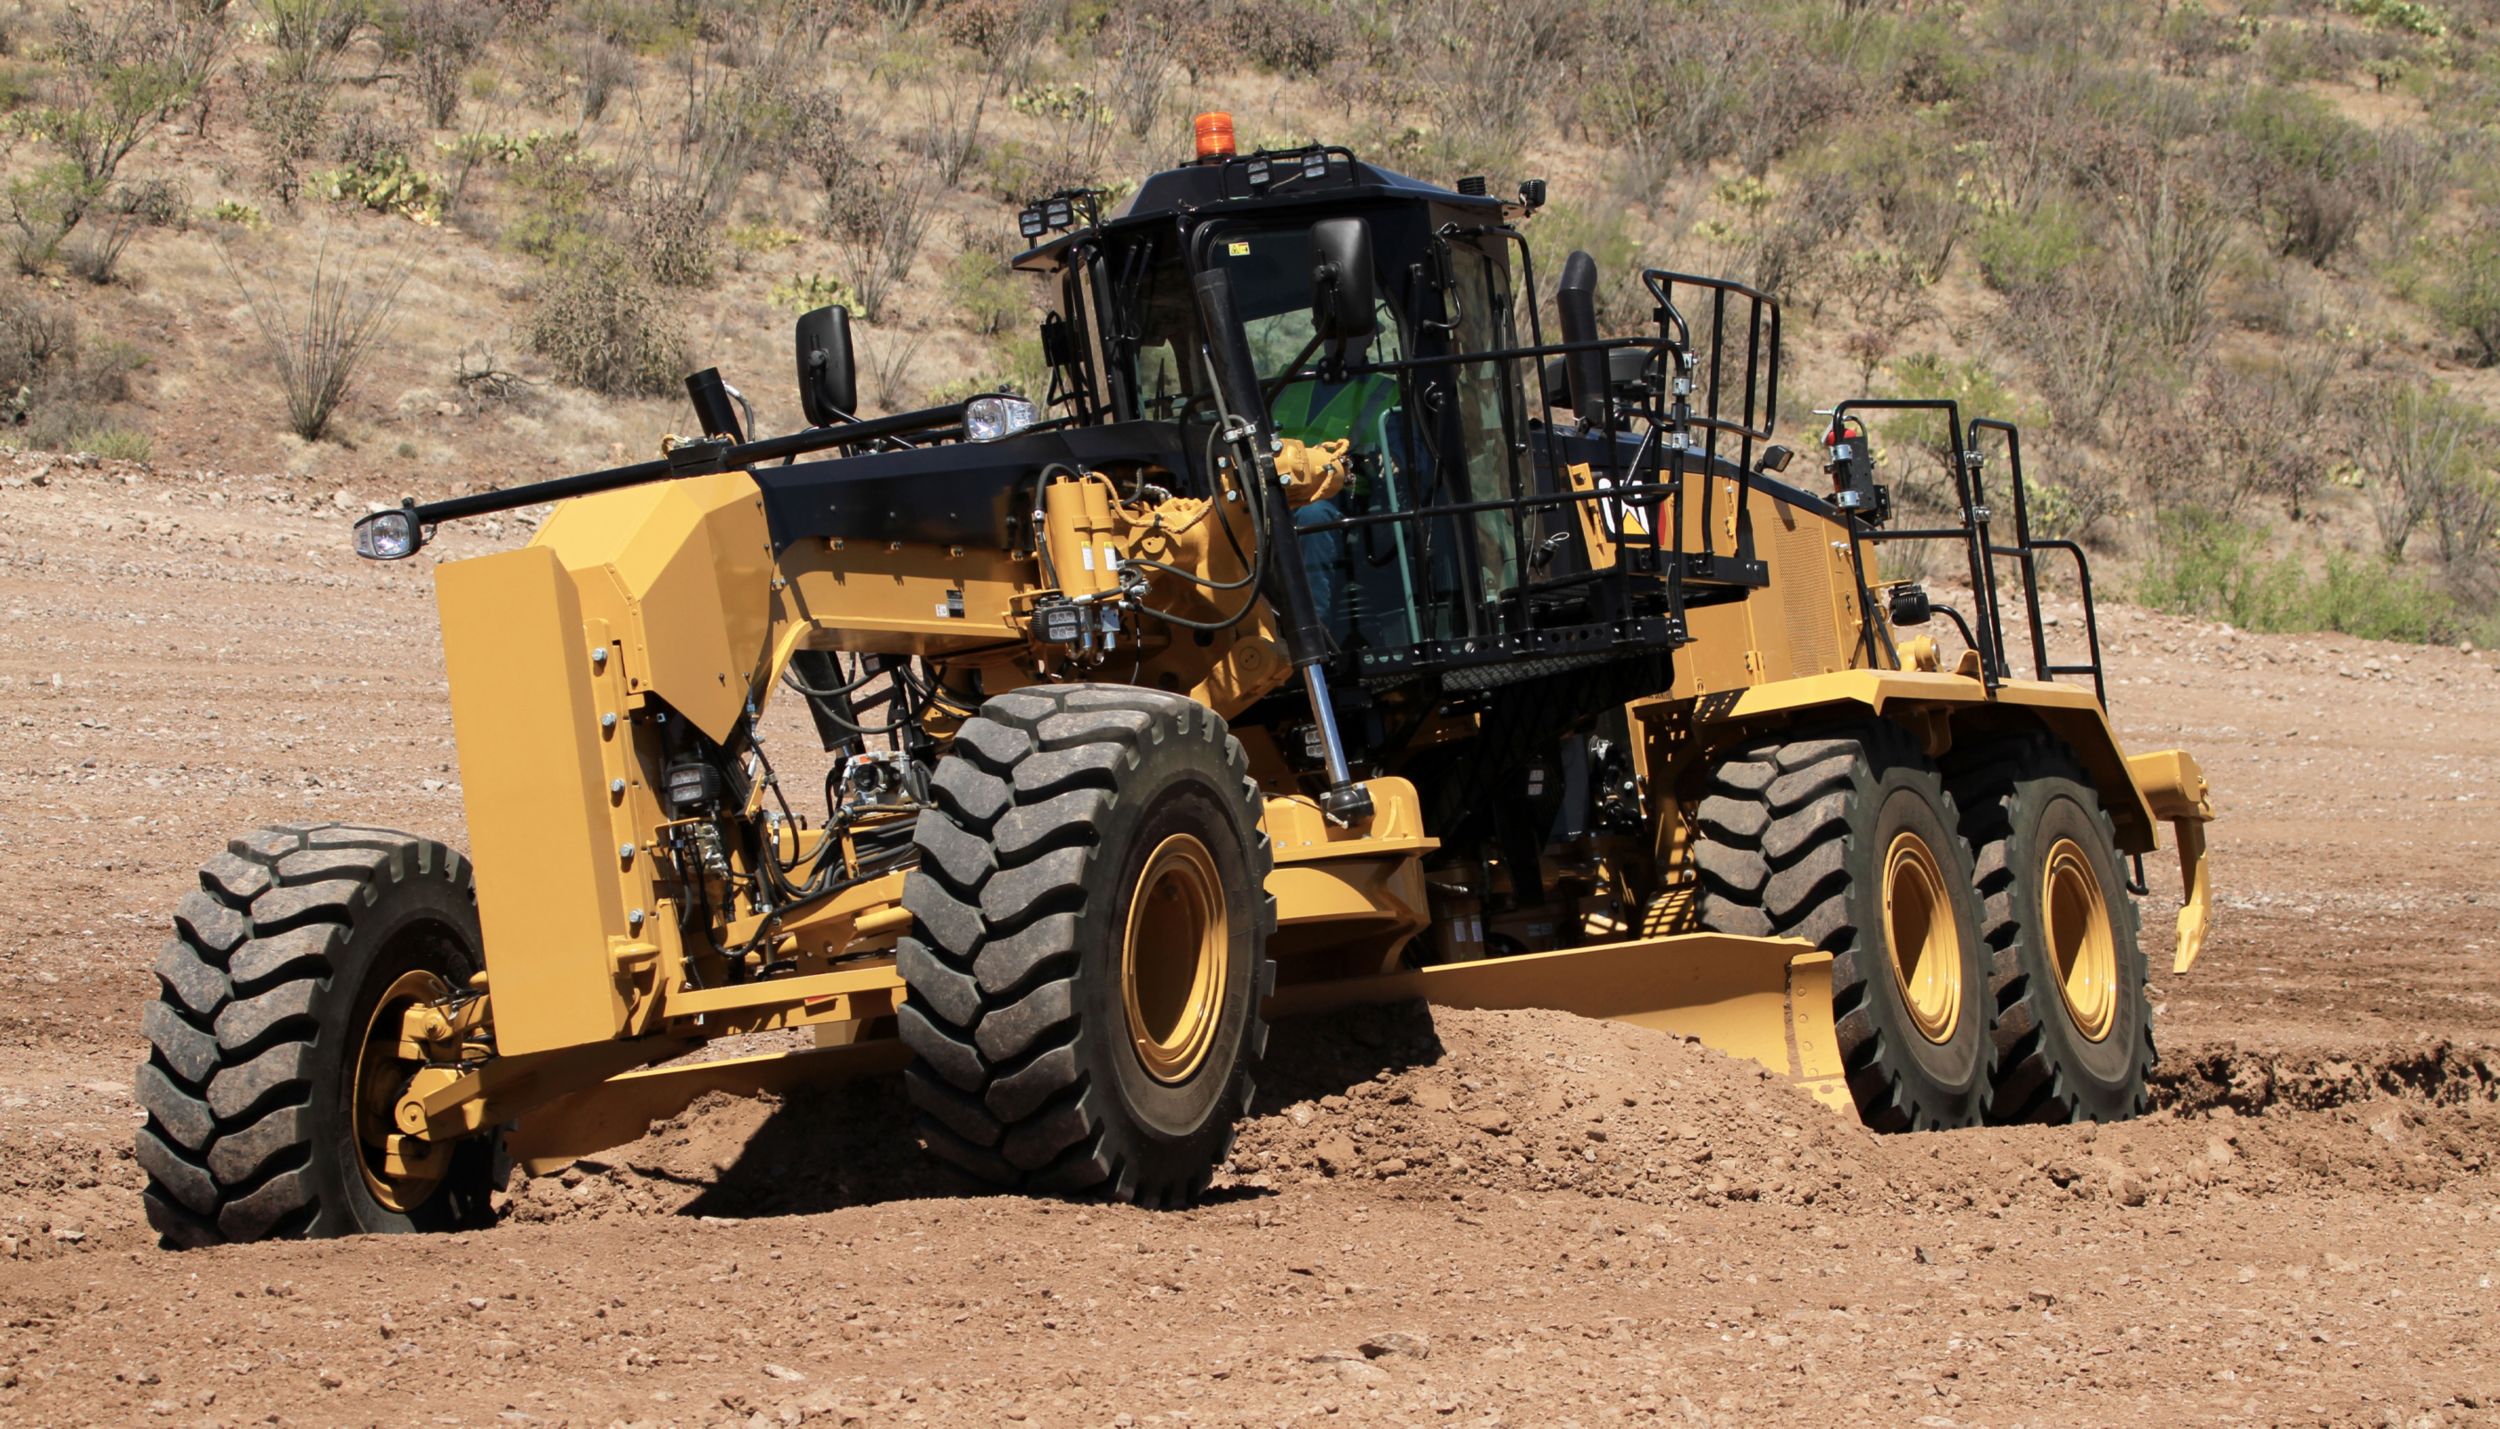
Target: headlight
388, 535
986, 419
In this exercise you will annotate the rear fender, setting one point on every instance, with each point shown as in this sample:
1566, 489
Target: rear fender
1921, 699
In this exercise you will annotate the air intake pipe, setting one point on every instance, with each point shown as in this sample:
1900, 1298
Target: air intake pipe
1575, 302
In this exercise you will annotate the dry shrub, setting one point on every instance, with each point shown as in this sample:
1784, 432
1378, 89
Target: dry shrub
1670, 96
2080, 347
317, 349
2464, 290
1299, 37
731, 122
888, 360
671, 233
96, 253
438, 40
603, 69
2420, 447
309, 35
55, 385
2306, 168
2236, 434
1143, 65
877, 227
291, 116
2170, 240
605, 328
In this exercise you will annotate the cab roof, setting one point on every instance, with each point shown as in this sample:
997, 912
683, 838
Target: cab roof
1261, 182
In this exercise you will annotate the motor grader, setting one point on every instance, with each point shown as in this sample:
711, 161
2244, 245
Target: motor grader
1323, 632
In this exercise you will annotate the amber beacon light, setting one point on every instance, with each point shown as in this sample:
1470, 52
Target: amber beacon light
1215, 136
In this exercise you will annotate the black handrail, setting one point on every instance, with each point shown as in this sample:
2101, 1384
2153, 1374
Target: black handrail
1964, 456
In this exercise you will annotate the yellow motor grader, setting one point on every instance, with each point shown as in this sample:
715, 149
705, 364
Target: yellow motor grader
1324, 632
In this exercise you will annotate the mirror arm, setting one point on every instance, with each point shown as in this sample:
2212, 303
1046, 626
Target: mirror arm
702, 457
1291, 370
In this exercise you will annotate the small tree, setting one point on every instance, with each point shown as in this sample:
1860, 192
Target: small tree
121, 74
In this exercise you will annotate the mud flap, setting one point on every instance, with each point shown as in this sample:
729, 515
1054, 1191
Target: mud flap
1767, 1000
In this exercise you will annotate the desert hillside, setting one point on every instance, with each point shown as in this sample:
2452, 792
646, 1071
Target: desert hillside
2236, 266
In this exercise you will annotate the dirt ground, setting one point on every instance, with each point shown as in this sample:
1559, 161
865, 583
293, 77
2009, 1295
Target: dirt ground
1455, 1218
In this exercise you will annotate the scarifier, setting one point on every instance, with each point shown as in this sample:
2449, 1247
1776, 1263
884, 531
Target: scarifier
1324, 632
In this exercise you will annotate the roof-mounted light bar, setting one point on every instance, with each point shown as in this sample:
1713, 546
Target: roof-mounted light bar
1058, 213
1262, 169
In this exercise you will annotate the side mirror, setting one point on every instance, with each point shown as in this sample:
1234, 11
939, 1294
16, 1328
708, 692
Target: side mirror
1343, 290
828, 380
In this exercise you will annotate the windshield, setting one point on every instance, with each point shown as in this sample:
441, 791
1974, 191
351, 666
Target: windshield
1418, 437
1270, 270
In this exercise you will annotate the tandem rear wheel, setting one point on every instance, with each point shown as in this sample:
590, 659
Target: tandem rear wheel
2070, 1009
1088, 953
1985, 965
1847, 839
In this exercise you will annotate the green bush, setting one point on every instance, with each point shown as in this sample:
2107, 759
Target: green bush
2213, 568
988, 296
810, 291
113, 443
2017, 253
2410, 16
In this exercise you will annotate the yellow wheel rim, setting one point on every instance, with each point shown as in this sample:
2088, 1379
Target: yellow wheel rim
400, 1171
2081, 944
1172, 964
1924, 938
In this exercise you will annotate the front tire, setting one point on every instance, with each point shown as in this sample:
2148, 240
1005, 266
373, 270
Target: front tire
1848, 840
2067, 980
1088, 954
273, 1061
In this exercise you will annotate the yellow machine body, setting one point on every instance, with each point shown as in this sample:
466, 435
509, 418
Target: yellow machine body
673, 597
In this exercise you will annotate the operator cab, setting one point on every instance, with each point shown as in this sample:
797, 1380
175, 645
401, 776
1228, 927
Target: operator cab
1459, 540
1425, 545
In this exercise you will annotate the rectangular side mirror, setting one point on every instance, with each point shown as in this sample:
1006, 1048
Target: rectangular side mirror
1343, 288
828, 380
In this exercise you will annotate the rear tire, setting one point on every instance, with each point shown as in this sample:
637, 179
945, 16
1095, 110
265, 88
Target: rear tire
2072, 1014
279, 967
1088, 955
1848, 840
